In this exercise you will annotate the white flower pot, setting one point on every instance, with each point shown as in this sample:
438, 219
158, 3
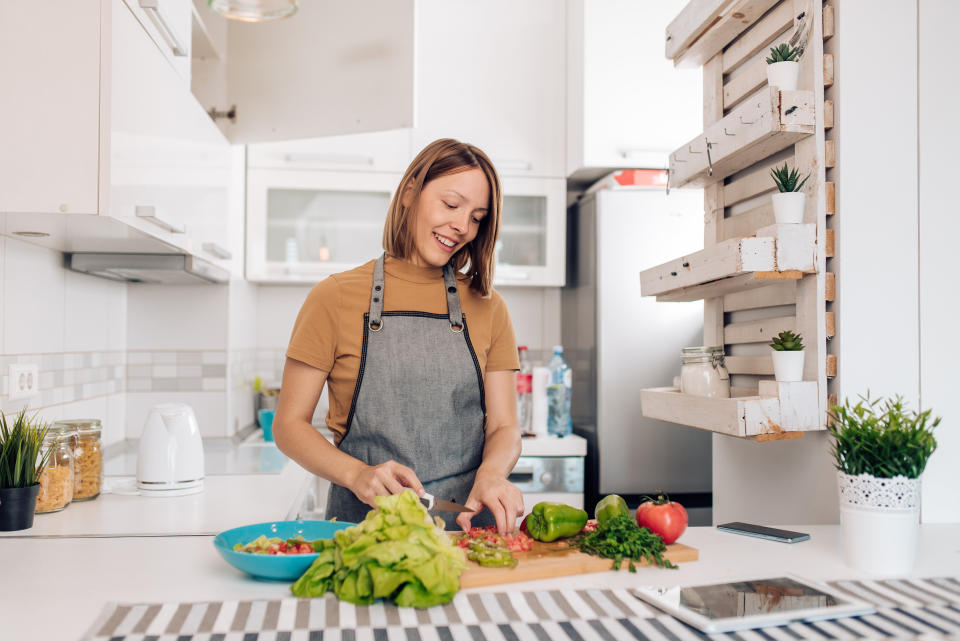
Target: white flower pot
788, 207
880, 519
783, 75
788, 366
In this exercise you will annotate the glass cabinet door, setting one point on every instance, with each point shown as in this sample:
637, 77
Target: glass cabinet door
305, 225
530, 250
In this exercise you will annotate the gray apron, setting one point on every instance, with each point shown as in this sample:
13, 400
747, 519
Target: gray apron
418, 401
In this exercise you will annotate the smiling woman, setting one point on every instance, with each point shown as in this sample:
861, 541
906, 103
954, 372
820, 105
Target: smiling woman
418, 351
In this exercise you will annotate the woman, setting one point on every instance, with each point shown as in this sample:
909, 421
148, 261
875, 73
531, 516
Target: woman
419, 357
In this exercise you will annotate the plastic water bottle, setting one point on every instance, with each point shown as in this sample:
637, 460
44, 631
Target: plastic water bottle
524, 392
559, 392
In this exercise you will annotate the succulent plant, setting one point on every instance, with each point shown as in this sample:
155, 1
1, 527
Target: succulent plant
783, 53
883, 440
787, 341
786, 179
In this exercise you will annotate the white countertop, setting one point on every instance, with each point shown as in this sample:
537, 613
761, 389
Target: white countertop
225, 502
75, 578
542, 445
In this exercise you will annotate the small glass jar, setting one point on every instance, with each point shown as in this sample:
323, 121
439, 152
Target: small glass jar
87, 458
703, 373
57, 478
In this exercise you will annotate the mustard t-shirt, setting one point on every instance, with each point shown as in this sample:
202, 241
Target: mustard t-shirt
328, 333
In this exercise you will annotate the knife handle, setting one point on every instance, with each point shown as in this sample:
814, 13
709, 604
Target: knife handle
428, 500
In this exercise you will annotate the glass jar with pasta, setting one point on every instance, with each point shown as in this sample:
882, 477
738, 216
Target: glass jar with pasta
57, 478
87, 457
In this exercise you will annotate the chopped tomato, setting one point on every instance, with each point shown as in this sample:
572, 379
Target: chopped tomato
590, 526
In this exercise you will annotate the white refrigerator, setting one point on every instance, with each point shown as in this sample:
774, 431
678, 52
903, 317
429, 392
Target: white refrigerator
619, 343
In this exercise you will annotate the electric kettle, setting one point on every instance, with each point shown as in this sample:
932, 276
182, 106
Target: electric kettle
170, 461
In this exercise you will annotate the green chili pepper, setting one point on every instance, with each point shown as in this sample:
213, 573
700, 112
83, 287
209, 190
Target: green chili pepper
551, 521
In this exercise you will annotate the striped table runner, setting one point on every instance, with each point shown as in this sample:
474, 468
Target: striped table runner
907, 608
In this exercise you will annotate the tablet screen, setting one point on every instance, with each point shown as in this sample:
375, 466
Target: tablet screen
747, 598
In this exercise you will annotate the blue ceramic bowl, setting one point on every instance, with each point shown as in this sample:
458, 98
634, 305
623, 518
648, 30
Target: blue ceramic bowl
279, 567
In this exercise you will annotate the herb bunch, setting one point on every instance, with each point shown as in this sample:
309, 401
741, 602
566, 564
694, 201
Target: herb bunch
22, 458
783, 53
881, 438
787, 341
786, 179
621, 538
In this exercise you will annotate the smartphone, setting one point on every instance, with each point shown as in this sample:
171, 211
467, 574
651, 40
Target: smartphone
762, 532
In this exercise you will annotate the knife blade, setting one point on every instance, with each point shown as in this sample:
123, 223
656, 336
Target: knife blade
440, 505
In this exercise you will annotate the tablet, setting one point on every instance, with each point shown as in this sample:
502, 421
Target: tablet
752, 603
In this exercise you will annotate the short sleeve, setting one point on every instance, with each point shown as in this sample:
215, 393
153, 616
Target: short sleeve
315, 332
503, 342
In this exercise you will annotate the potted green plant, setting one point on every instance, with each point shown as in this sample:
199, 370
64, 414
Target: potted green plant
789, 201
787, 357
783, 67
22, 459
880, 450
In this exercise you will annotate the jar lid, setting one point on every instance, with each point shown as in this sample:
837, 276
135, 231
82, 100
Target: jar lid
702, 349
84, 426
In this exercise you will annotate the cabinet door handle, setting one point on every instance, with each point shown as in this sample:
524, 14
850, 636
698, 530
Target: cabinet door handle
216, 250
149, 213
152, 9
329, 159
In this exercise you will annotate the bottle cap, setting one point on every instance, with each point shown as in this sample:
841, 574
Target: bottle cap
558, 349
522, 348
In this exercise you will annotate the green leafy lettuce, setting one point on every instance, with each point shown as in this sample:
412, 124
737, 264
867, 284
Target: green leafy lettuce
396, 552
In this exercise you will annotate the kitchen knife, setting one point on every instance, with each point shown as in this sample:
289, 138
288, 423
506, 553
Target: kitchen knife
440, 505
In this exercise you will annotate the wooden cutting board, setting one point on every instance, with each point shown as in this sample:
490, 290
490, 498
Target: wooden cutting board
548, 560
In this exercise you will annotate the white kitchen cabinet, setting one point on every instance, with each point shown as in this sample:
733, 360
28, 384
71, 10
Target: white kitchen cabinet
379, 151
624, 116
492, 74
303, 225
103, 125
169, 24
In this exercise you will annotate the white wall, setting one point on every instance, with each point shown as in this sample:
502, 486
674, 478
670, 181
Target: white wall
939, 91
71, 325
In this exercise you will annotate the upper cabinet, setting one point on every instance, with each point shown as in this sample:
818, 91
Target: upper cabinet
332, 68
618, 115
110, 112
492, 74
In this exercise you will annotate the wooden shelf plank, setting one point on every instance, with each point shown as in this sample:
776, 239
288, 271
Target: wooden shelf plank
722, 287
747, 223
828, 70
828, 23
735, 20
759, 37
743, 416
757, 331
729, 258
830, 191
828, 114
695, 18
749, 184
828, 244
831, 365
769, 121
780, 293
796, 246
756, 365
831, 287
831, 324
829, 154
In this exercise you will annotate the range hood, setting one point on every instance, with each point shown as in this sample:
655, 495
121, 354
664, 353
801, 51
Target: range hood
166, 269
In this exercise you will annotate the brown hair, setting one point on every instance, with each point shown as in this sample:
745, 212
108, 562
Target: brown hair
439, 158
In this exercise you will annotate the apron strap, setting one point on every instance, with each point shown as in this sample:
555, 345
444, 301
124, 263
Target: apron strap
453, 299
375, 321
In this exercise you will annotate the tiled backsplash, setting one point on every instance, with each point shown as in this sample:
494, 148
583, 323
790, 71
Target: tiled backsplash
66, 378
183, 371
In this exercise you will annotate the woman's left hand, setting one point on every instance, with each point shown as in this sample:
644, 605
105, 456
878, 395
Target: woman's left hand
500, 496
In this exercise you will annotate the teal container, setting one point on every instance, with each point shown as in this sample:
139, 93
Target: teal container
266, 422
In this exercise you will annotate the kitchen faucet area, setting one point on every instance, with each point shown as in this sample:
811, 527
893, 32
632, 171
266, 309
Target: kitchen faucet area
477, 319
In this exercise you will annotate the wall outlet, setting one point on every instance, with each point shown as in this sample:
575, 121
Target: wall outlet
24, 380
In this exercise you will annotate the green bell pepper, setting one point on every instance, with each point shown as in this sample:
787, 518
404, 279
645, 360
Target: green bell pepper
551, 521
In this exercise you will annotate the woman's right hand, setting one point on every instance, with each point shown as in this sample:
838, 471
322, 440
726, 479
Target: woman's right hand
384, 479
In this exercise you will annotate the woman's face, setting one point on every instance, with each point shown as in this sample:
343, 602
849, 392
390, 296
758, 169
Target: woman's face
448, 216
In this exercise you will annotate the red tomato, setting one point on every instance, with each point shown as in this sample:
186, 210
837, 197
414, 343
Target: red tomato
664, 517
305, 548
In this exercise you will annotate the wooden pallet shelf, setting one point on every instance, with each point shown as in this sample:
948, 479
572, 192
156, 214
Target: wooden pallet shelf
705, 27
777, 252
762, 125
